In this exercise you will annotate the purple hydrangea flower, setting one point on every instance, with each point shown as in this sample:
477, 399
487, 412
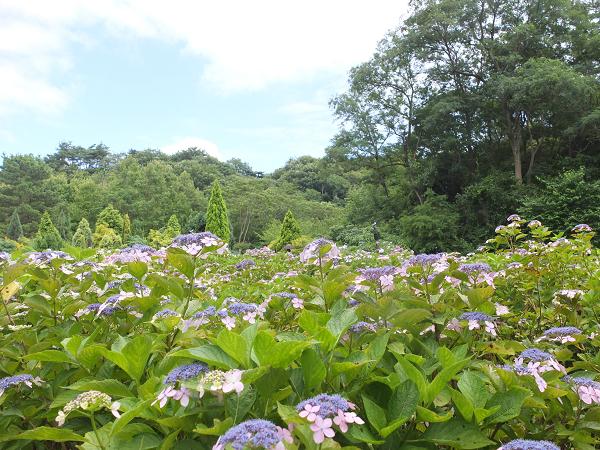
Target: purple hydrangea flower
475, 268
245, 264
255, 433
375, 273
162, 314
477, 316
535, 354
185, 372
524, 444
238, 308
582, 228
561, 331
361, 327
288, 295
424, 259
15, 380
195, 243
208, 312
328, 404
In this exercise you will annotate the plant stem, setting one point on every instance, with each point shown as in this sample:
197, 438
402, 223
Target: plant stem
96, 431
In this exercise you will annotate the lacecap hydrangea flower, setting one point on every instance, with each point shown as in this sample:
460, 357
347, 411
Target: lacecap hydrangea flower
176, 376
524, 444
587, 390
17, 380
320, 249
383, 276
560, 334
199, 243
91, 401
477, 319
323, 411
255, 434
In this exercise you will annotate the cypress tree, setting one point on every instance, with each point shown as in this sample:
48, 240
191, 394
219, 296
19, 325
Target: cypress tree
14, 230
217, 220
83, 235
111, 218
290, 230
63, 223
126, 228
173, 228
47, 236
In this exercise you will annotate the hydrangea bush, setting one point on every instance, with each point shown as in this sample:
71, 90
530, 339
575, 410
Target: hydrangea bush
191, 346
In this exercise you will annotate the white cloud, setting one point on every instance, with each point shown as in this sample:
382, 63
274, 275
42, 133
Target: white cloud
187, 142
243, 45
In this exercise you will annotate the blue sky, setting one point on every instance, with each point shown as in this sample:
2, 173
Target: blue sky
240, 79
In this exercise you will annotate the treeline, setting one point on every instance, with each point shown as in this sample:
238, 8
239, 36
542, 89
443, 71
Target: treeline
471, 110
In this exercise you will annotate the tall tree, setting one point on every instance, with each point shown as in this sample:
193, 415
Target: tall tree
217, 218
14, 230
290, 230
47, 236
83, 235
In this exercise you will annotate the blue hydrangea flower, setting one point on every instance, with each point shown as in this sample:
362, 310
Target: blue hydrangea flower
475, 268
561, 331
424, 259
328, 404
361, 327
245, 264
255, 434
165, 313
477, 316
535, 354
185, 372
524, 444
15, 380
375, 273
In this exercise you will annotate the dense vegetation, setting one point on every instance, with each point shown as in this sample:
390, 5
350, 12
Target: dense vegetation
469, 111
190, 346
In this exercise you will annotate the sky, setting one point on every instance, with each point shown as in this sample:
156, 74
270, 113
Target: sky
240, 79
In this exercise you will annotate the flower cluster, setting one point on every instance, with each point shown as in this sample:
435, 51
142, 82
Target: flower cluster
219, 382
16, 380
43, 258
180, 374
383, 276
362, 327
91, 401
198, 243
297, 303
323, 411
248, 312
560, 334
582, 228
245, 264
534, 362
525, 444
587, 390
320, 250
256, 434
476, 319
97, 310
133, 253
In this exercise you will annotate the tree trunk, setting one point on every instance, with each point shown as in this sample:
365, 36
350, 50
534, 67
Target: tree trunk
515, 137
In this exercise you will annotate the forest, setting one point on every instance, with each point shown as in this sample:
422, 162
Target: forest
467, 112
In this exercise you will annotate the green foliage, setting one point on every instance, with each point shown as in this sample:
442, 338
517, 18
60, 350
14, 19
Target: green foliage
565, 201
105, 237
63, 223
217, 219
47, 236
432, 226
126, 227
110, 217
83, 235
14, 230
290, 230
164, 236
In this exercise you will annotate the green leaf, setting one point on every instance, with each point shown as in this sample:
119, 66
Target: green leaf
114, 388
509, 402
313, 369
137, 268
442, 379
474, 389
131, 355
47, 434
235, 346
456, 433
128, 416
277, 354
414, 374
181, 261
375, 413
401, 407
218, 428
49, 356
210, 354
427, 415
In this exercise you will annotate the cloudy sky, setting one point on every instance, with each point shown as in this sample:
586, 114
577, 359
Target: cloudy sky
246, 79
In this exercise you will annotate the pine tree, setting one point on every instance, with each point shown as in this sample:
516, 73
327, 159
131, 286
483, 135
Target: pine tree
111, 218
217, 220
173, 228
164, 236
106, 237
63, 223
290, 230
14, 230
47, 236
126, 228
83, 235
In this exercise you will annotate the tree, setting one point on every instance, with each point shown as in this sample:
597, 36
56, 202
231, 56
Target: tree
14, 230
83, 235
164, 236
290, 230
111, 218
217, 219
47, 236
63, 222
126, 227
106, 237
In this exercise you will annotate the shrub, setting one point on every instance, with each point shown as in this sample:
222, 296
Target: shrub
290, 230
111, 218
83, 235
47, 236
217, 220
106, 237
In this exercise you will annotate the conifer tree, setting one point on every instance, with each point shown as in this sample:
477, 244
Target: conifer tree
83, 235
173, 228
217, 220
111, 218
63, 223
126, 228
47, 236
290, 230
14, 230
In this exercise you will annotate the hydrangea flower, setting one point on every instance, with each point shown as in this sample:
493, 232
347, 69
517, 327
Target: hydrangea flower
474, 268
324, 410
560, 334
219, 382
245, 264
534, 224
582, 228
361, 327
587, 390
177, 375
16, 380
524, 444
91, 401
197, 243
475, 320
133, 253
513, 218
255, 434
383, 276
97, 310
534, 362
312, 251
